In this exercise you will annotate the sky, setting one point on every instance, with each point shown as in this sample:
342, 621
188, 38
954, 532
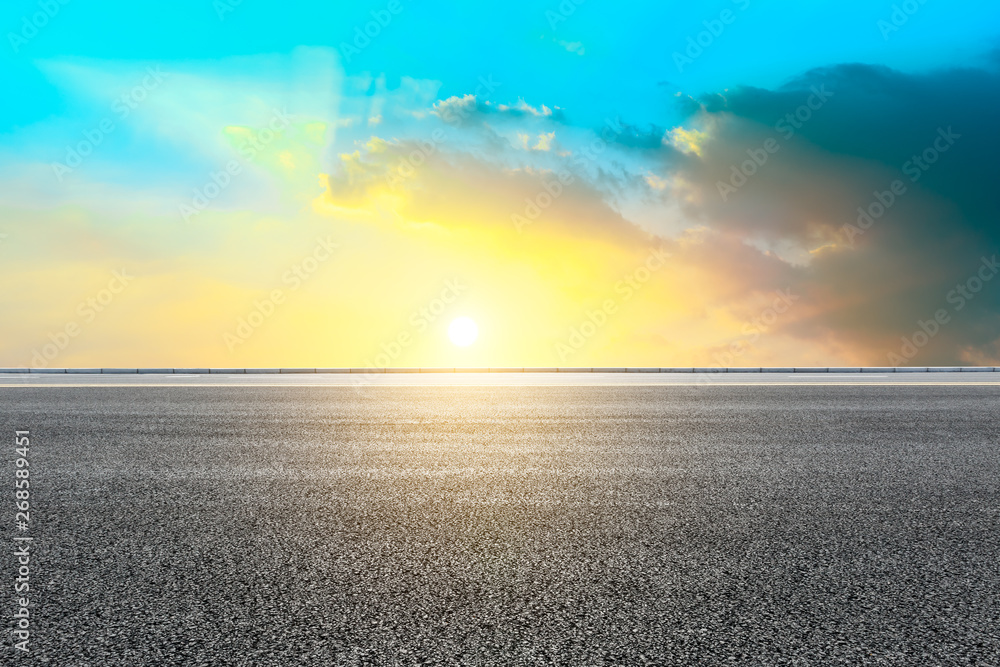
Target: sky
725, 183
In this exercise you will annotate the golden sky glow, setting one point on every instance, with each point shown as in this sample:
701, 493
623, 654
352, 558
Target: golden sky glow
278, 211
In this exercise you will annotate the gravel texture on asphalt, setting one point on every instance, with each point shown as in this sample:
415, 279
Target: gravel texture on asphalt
508, 525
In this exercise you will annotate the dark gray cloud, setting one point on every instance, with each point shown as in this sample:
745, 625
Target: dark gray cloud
840, 138
885, 116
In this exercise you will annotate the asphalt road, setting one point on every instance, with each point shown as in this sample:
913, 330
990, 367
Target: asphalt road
508, 525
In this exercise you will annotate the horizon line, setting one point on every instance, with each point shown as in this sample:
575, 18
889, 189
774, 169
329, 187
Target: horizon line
506, 369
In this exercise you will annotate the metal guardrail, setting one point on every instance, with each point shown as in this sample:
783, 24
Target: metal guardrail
260, 371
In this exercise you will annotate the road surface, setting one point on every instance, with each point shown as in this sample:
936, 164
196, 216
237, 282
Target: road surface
498, 522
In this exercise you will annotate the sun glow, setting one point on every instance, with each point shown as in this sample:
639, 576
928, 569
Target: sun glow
463, 331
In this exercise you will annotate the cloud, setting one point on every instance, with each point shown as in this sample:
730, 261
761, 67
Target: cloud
422, 183
543, 142
843, 136
686, 141
755, 193
469, 109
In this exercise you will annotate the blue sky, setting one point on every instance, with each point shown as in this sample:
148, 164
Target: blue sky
647, 113
630, 68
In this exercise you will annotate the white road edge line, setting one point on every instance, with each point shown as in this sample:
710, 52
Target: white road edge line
835, 375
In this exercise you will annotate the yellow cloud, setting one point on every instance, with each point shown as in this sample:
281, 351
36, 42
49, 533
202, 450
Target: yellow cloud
544, 142
686, 141
656, 182
316, 132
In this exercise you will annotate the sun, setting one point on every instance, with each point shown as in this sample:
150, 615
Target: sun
463, 331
